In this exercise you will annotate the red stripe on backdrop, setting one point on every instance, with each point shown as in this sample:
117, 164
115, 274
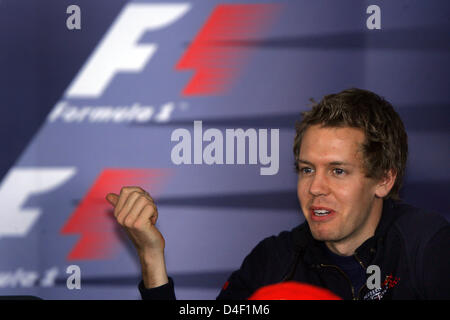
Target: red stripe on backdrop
93, 219
216, 63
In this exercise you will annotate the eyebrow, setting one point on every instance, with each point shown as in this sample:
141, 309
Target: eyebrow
333, 163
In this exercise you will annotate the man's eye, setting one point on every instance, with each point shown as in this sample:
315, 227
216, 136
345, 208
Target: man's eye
305, 170
338, 171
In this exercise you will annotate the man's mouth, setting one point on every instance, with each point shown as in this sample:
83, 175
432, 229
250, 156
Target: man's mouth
321, 213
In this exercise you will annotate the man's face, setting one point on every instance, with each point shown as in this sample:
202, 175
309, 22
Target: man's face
336, 197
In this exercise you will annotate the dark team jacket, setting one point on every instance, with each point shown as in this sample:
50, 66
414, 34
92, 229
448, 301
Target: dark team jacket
411, 247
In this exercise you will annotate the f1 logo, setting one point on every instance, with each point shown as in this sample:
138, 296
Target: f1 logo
17, 187
119, 51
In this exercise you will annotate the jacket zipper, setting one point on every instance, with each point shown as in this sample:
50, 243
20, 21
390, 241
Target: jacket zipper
364, 267
359, 261
346, 277
343, 273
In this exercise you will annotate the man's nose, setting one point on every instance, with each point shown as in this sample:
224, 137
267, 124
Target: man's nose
319, 185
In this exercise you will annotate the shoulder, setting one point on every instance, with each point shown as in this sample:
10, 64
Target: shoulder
416, 228
417, 223
285, 242
425, 236
270, 260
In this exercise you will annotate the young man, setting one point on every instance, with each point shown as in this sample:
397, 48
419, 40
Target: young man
350, 154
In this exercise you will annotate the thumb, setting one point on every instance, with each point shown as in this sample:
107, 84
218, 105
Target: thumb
112, 198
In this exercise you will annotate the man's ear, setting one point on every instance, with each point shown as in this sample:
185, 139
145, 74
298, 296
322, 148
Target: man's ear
386, 183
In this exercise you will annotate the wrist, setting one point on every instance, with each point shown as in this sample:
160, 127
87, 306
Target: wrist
151, 256
153, 266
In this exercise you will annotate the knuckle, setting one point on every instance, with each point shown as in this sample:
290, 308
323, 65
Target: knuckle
131, 193
142, 199
149, 207
135, 193
125, 190
130, 189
